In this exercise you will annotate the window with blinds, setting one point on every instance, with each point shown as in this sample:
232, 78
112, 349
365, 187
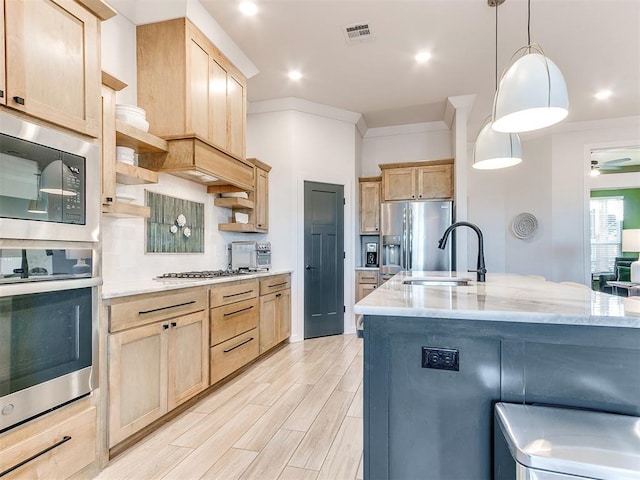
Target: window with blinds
606, 232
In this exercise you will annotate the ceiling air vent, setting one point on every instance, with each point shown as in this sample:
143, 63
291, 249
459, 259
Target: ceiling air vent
358, 32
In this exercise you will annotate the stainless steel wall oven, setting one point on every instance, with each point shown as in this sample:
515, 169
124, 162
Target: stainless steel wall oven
48, 330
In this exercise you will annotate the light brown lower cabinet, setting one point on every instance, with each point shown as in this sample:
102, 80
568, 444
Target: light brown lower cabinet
233, 324
275, 311
55, 446
229, 356
366, 282
154, 368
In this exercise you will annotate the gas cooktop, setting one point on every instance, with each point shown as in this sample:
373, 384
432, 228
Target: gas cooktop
203, 274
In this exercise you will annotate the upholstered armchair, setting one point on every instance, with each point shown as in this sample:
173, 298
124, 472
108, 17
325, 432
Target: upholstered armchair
620, 274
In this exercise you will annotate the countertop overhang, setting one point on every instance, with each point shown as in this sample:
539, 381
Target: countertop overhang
502, 298
152, 285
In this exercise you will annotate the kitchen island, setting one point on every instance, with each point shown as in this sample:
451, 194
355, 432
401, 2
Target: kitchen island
437, 358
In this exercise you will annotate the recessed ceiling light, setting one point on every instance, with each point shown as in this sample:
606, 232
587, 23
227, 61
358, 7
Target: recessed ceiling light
603, 94
294, 75
423, 57
248, 8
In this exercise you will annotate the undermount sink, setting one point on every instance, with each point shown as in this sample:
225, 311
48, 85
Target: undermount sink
436, 281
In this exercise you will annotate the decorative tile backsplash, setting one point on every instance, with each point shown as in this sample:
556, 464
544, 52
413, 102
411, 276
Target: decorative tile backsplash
175, 225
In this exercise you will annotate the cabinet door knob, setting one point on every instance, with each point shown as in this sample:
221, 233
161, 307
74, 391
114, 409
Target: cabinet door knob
174, 324
165, 327
19, 100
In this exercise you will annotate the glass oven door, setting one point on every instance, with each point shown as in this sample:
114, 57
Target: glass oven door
46, 350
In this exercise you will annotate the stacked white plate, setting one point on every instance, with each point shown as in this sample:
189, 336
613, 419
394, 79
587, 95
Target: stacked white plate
132, 115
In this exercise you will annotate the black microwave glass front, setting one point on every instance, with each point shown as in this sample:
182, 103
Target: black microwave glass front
41, 183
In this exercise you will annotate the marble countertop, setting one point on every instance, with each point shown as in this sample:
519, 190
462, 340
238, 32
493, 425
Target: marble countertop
151, 285
367, 268
504, 297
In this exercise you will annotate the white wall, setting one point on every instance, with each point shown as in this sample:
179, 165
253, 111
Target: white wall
496, 197
405, 143
304, 146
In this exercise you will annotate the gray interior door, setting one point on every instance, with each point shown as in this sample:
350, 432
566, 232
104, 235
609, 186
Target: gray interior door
323, 259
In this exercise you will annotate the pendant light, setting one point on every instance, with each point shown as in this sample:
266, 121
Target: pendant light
493, 149
532, 92
38, 204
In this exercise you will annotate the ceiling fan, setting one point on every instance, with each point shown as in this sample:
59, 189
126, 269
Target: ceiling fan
615, 160
617, 165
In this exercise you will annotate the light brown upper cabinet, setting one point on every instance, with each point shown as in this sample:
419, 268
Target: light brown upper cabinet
52, 66
417, 181
261, 196
188, 87
370, 204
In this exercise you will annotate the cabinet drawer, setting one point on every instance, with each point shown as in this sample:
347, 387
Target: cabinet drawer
56, 452
275, 283
231, 320
155, 307
229, 356
367, 277
232, 292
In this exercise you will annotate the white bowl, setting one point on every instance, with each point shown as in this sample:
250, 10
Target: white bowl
134, 121
241, 217
235, 195
131, 109
125, 198
126, 155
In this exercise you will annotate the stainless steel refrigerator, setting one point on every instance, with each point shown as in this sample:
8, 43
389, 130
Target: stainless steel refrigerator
410, 234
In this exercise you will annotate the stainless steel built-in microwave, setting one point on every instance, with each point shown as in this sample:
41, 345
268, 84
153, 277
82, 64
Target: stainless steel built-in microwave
49, 183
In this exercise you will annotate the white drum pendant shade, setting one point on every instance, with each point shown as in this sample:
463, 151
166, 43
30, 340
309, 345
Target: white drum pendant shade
496, 149
532, 95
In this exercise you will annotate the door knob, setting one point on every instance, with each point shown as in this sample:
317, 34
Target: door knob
308, 267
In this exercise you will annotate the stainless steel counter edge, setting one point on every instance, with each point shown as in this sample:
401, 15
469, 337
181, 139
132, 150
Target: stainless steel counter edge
126, 289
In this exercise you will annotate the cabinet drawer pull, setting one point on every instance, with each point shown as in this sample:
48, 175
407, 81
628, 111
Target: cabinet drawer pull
277, 285
237, 311
145, 312
19, 100
368, 278
65, 439
238, 346
174, 324
278, 295
1, 93
165, 327
236, 294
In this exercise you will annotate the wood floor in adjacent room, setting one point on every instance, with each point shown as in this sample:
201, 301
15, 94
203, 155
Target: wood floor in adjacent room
294, 415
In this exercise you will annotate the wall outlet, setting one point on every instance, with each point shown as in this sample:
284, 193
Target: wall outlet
441, 358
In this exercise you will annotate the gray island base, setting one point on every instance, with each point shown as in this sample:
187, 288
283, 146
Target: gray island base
438, 358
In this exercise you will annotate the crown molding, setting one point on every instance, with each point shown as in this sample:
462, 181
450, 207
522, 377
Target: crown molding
306, 106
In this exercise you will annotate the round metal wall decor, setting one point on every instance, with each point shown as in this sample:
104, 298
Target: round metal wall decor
524, 225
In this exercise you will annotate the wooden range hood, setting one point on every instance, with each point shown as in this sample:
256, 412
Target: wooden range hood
195, 159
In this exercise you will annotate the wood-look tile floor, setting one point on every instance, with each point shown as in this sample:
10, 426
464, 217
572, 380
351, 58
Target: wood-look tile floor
296, 415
